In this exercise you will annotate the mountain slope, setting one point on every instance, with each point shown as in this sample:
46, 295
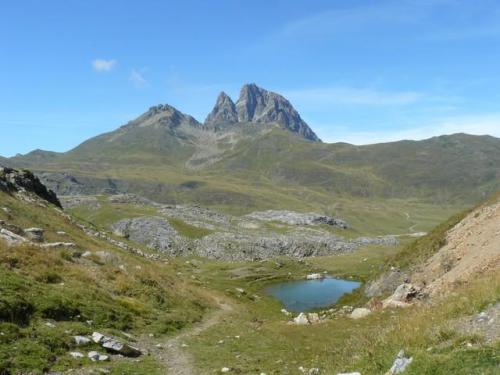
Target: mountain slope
258, 154
73, 281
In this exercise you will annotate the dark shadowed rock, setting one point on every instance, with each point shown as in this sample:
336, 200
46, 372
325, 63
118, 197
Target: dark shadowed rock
261, 106
224, 112
12, 180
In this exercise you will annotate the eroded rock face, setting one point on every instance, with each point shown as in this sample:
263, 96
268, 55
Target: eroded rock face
261, 106
297, 218
237, 246
224, 112
154, 232
25, 182
402, 296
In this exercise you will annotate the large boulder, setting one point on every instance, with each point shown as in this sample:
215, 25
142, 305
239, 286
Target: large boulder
115, 346
402, 296
118, 347
10, 238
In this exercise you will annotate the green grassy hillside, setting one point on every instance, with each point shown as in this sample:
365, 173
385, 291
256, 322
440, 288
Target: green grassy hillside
49, 295
270, 168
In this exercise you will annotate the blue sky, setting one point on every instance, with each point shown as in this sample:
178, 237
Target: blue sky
357, 71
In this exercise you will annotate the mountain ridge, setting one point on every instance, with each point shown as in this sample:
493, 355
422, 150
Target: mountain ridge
265, 160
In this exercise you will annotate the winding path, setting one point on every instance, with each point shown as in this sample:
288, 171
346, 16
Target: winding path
173, 355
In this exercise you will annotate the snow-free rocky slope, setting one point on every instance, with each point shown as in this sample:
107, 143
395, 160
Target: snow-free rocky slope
258, 153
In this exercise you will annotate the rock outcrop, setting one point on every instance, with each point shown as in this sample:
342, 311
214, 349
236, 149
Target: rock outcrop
224, 112
297, 218
26, 183
115, 346
261, 106
154, 232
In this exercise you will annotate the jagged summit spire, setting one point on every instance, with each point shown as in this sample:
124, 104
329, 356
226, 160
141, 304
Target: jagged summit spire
254, 105
261, 106
224, 111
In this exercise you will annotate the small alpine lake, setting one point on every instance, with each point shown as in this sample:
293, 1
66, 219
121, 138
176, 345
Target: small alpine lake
306, 295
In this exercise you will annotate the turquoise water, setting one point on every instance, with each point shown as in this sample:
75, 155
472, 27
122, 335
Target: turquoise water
305, 295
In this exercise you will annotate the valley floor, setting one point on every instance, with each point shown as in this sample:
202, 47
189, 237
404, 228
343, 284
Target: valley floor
193, 315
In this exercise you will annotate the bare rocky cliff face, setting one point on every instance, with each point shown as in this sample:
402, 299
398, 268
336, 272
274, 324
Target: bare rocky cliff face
259, 106
25, 183
223, 112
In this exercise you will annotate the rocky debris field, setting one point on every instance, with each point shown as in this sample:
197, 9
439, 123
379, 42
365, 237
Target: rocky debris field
297, 218
155, 232
256, 236
259, 235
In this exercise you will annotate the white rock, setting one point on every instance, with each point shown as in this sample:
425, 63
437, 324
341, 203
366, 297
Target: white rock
95, 356
315, 276
400, 363
76, 354
313, 318
313, 371
225, 369
240, 290
120, 348
360, 312
81, 340
301, 319
86, 254
11, 238
97, 337
49, 324
286, 312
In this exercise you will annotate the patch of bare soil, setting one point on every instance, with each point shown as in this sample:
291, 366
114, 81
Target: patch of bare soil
472, 248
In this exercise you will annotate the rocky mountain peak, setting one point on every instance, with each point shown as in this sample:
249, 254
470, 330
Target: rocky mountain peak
261, 106
223, 112
163, 115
